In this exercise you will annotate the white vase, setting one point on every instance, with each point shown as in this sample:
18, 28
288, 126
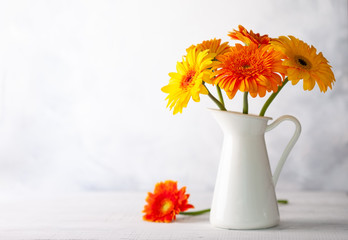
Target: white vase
244, 194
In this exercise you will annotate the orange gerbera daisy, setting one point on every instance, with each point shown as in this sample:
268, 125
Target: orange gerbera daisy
248, 37
304, 63
215, 47
250, 69
166, 202
187, 81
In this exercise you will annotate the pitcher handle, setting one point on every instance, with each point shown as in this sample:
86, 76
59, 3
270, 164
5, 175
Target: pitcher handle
290, 145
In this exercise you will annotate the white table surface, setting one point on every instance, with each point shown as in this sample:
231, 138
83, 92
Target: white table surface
117, 215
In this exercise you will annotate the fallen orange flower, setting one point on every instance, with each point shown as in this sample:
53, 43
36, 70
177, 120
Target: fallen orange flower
166, 202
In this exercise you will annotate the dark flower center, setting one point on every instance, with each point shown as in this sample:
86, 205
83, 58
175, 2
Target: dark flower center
303, 62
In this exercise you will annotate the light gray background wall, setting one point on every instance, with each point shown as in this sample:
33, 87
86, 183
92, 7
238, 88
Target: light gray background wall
81, 107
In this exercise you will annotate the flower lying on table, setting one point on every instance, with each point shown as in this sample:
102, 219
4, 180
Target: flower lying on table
261, 65
166, 202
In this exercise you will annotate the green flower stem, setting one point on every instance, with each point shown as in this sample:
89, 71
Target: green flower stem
220, 95
283, 201
217, 102
195, 213
272, 97
245, 103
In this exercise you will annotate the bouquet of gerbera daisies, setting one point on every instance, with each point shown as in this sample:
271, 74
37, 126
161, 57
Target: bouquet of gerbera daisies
261, 65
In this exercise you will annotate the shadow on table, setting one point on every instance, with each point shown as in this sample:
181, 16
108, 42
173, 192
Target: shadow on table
193, 219
285, 225
321, 224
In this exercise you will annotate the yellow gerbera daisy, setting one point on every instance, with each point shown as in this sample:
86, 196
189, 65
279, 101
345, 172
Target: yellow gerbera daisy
187, 81
304, 63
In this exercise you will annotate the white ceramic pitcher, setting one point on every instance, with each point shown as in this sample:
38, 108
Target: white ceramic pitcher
244, 194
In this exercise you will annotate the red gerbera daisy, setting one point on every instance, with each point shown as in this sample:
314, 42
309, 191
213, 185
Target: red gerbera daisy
166, 202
